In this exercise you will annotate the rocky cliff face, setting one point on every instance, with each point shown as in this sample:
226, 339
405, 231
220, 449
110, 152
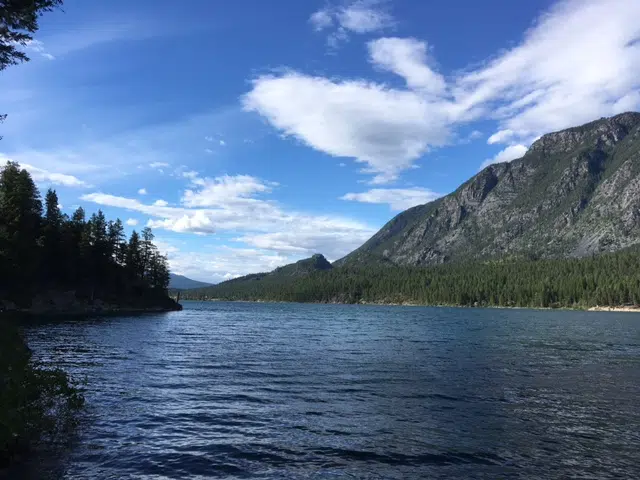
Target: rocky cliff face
574, 193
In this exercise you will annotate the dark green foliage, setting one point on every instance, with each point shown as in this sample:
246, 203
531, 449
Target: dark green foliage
53, 252
37, 404
608, 279
18, 21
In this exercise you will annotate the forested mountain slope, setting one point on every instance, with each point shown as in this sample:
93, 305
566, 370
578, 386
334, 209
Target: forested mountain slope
574, 193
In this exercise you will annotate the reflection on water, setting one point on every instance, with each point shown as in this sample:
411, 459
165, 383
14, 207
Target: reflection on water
235, 390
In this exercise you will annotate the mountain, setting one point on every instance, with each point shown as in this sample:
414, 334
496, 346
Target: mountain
286, 273
574, 193
303, 267
180, 282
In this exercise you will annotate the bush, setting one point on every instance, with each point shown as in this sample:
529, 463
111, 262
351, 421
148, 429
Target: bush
37, 404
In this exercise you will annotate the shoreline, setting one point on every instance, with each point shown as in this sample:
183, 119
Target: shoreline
629, 309
620, 308
85, 311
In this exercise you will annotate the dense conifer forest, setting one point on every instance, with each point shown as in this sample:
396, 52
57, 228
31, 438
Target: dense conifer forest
611, 279
42, 249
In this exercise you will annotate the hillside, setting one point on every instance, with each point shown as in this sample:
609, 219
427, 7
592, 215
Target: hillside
180, 282
558, 227
281, 275
574, 193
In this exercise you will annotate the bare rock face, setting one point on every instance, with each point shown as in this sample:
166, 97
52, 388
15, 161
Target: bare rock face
574, 193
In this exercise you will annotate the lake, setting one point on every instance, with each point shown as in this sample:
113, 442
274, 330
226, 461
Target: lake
250, 390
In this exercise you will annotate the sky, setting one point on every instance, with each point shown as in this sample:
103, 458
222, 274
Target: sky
250, 134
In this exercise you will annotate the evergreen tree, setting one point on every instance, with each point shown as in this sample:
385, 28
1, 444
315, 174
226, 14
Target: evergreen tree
134, 262
40, 252
52, 236
117, 243
20, 217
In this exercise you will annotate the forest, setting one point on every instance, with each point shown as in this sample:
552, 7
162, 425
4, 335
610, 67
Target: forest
611, 279
42, 249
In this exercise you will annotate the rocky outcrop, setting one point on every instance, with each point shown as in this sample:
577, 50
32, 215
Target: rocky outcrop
574, 193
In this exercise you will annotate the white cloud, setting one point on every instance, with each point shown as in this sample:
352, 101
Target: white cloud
209, 138
208, 150
385, 128
321, 19
578, 62
503, 136
132, 222
160, 203
40, 175
223, 190
38, 47
365, 16
510, 153
159, 165
231, 204
222, 143
397, 198
190, 174
142, 191
407, 57
216, 264
359, 16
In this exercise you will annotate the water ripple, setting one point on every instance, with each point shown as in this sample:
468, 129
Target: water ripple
236, 390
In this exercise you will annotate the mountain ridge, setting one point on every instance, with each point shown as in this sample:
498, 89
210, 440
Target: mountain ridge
180, 282
575, 192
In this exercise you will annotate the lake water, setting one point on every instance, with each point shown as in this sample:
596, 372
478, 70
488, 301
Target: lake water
241, 390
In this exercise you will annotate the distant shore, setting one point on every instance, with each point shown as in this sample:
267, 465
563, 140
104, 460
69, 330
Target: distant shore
622, 308
632, 309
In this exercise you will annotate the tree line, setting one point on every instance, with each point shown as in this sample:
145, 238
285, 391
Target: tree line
41, 248
607, 280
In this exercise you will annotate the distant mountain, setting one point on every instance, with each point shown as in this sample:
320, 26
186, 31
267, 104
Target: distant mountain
574, 193
300, 269
180, 282
303, 267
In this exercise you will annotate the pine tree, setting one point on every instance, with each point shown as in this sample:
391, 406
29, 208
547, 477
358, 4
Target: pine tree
117, 244
52, 237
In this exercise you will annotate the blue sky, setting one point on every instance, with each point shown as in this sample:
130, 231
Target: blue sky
250, 134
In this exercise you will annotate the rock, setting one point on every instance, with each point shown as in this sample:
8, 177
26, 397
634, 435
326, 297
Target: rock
574, 193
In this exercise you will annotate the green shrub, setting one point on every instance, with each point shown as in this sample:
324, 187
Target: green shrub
37, 404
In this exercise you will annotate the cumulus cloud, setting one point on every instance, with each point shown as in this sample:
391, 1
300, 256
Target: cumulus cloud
132, 222
160, 203
360, 17
397, 198
212, 192
385, 128
215, 264
321, 19
579, 61
510, 153
142, 191
407, 57
40, 175
234, 204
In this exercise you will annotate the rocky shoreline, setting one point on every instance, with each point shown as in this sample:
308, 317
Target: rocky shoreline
632, 309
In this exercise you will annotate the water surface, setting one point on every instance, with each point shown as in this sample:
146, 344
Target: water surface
246, 390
